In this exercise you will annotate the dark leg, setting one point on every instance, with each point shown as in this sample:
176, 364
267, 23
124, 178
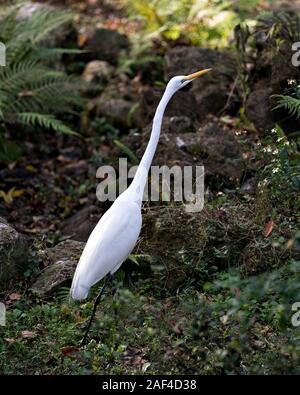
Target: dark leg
97, 301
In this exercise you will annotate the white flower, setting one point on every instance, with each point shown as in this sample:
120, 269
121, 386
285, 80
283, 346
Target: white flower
267, 149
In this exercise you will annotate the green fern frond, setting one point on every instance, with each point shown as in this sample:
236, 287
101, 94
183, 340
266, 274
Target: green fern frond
45, 121
15, 76
7, 24
54, 53
41, 23
30, 87
289, 103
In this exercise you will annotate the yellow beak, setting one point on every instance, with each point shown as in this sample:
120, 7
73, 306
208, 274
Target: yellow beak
197, 74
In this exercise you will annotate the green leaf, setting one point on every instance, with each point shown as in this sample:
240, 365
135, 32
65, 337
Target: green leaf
131, 155
9, 151
46, 121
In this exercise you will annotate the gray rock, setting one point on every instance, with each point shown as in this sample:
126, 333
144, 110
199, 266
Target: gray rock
211, 91
62, 261
3, 221
181, 124
220, 150
271, 71
105, 44
63, 251
258, 108
182, 103
119, 112
97, 72
80, 225
214, 146
249, 186
166, 246
13, 253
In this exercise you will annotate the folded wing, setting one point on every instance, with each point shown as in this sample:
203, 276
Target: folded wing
110, 243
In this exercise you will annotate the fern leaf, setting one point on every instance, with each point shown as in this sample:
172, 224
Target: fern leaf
45, 121
30, 88
289, 103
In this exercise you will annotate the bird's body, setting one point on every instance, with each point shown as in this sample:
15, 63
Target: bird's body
109, 244
115, 235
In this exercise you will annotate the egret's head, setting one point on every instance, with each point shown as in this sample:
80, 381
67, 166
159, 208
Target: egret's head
180, 81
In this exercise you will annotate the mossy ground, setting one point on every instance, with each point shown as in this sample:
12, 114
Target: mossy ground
191, 332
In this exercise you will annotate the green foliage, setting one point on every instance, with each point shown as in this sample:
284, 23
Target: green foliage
238, 326
131, 155
279, 28
102, 126
45, 121
278, 288
9, 151
139, 56
281, 171
31, 92
280, 31
289, 103
200, 22
239, 317
242, 35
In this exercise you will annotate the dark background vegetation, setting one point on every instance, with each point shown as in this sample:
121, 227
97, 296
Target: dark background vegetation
202, 293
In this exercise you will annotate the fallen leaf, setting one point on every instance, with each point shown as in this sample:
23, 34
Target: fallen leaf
69, 350
9, 196
138, 361
10, 340
31, 168
82, 39
28, 334
168, 303
178, 328
224, 319
12, 165
268, 228
14, 296
259, 343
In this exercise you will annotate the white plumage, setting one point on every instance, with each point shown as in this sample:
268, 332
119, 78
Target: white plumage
110, 243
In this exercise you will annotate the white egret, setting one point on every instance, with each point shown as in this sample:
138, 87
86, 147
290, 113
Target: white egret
116, 234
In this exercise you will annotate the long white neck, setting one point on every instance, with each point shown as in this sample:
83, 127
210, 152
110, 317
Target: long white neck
141, 175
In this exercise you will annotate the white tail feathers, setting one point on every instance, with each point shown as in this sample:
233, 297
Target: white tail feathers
78, 291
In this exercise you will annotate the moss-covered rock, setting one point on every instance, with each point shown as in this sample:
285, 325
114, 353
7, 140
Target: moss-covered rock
173, 239
212, 91
214, 146
62, 261
13, 253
